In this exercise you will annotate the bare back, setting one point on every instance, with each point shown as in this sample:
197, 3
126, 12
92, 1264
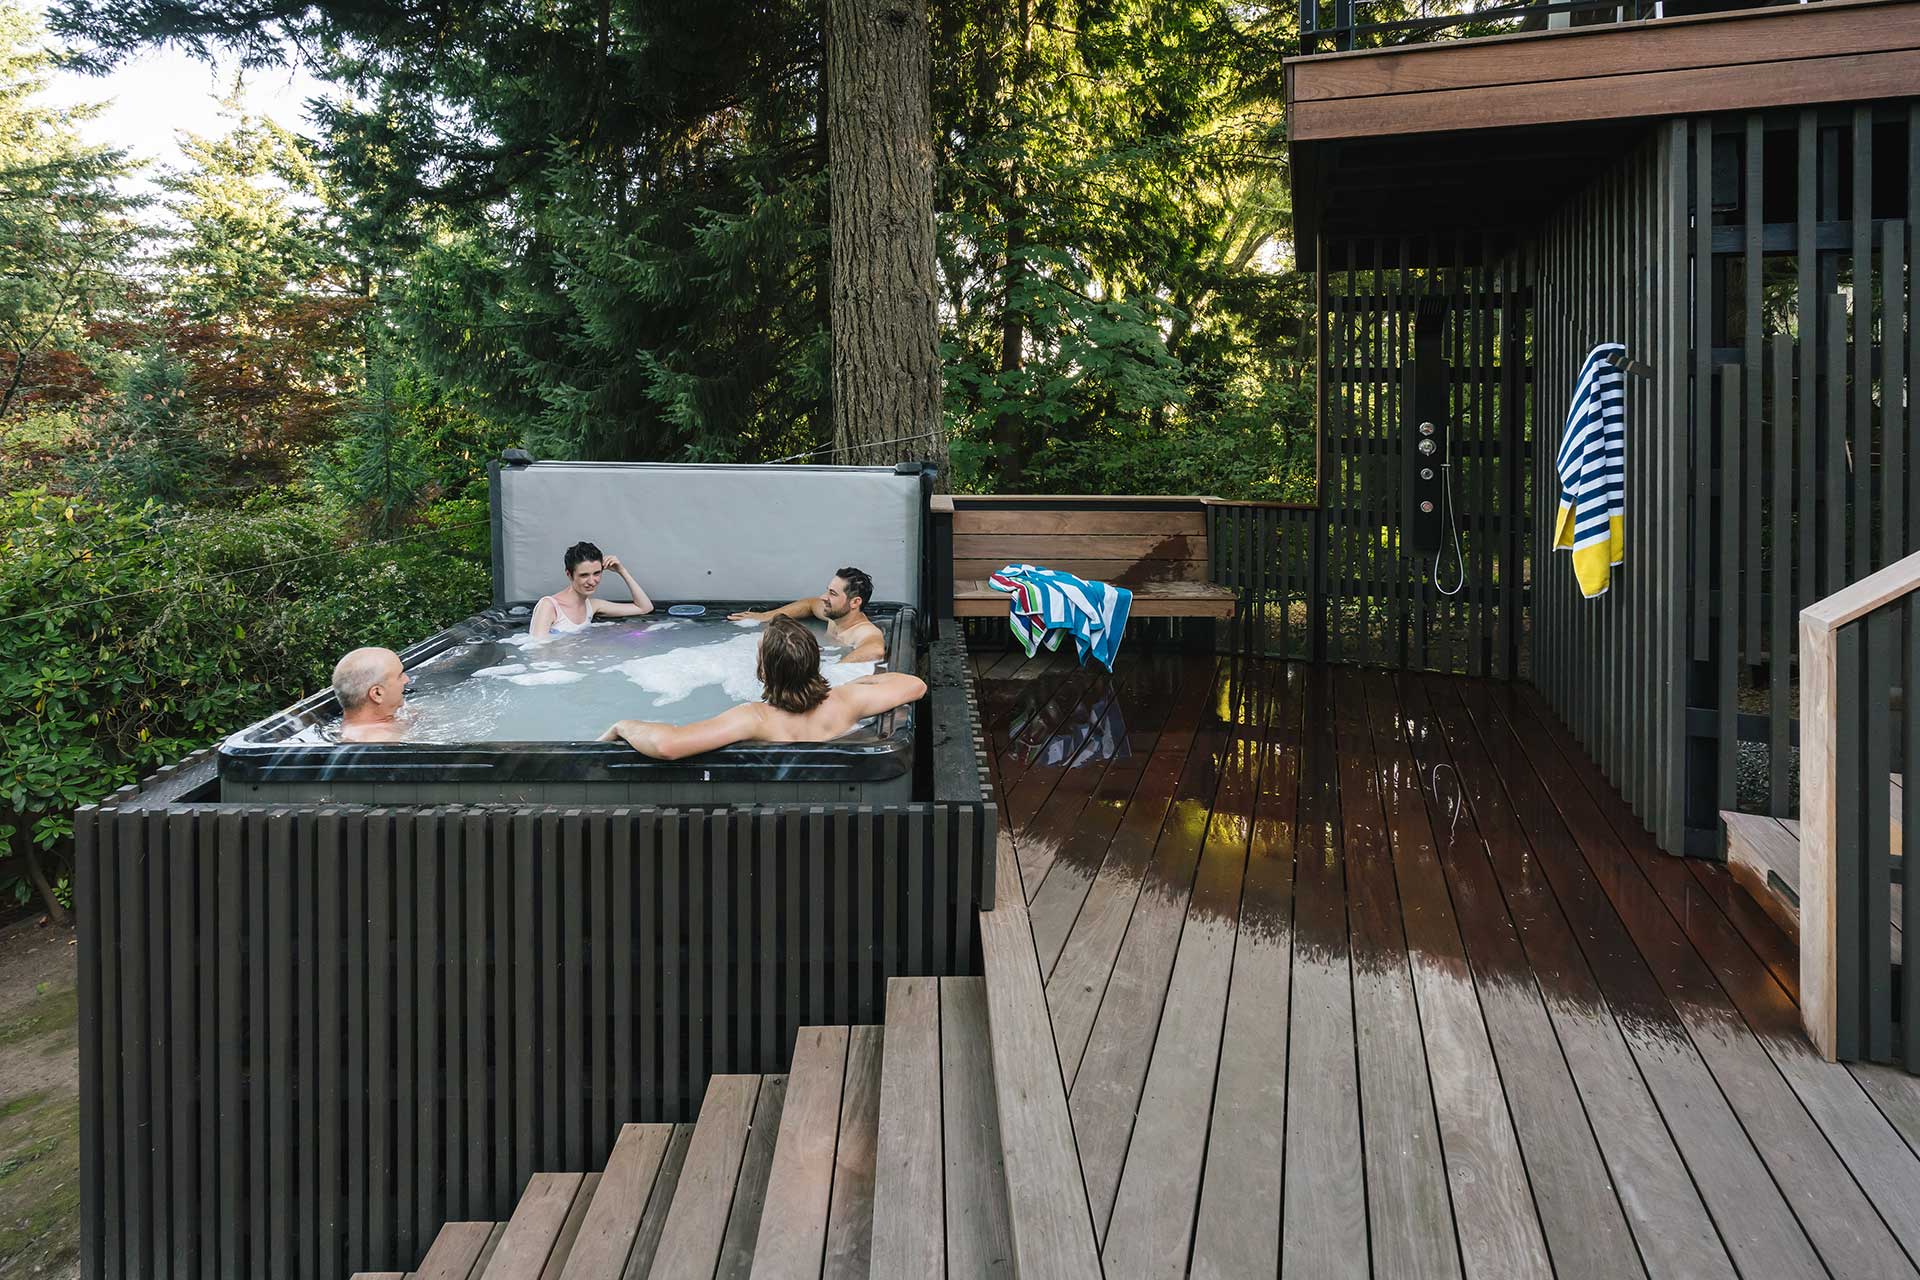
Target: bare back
838, 713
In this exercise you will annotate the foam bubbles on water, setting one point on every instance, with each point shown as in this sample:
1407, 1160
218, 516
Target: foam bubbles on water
839, 673
548, 677
744, 622
505, 669
673, 675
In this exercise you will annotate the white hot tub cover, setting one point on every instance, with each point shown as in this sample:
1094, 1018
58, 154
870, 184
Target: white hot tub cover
708, 532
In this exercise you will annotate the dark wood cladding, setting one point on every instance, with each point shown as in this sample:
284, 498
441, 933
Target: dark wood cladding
1613, 267
1835, 51
312, 1035
1803, 479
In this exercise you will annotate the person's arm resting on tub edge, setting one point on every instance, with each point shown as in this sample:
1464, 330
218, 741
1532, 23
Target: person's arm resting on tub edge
758, 722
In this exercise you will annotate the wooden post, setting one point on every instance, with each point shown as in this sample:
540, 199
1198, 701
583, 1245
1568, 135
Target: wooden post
1820, 789
1819, 699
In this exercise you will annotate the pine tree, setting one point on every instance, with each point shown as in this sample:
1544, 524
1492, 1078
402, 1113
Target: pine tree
255, 293
66, 231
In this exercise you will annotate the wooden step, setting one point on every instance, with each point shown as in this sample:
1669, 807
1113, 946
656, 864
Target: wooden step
850, 1213
462, 1251
750, 1193
979, 1239
793, 1217
544, 1217
908, 1239
612, 1222
1051, 1225
647, 1241
1763, 855
696, 1222
940, 1202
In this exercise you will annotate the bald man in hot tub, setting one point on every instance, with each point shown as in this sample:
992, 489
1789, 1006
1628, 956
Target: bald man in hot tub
842, 607
371, 686
798, 705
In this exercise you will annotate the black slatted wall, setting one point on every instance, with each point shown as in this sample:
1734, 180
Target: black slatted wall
1803, 465
1612, 267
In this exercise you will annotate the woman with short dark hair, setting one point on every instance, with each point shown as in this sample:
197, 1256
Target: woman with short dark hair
573, 607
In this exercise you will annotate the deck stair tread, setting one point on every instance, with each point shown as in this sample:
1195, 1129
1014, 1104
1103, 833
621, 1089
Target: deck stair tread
612, 1221
939, 1200
750, 1192
535, 1228
907, 1212
1763, 855
974, 1175
850, 1209
696, 1223
793, 1217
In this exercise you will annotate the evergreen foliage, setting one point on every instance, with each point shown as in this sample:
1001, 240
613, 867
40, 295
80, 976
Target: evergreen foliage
65, 227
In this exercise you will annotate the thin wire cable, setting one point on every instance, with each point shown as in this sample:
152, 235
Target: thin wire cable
203, 579
849, 448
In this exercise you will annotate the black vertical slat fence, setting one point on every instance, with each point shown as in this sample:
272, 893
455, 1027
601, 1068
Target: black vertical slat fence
452, 999
1339, 581
1613, 268
1803, 433
1877, 834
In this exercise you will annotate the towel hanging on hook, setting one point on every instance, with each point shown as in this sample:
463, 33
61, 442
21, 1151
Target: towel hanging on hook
1592, 469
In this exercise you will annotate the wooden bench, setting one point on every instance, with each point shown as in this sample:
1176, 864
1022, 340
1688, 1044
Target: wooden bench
1154, 547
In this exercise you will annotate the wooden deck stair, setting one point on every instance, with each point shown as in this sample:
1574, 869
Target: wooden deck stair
1763, 855
877, 1154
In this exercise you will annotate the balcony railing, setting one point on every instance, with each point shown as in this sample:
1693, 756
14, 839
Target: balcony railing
1859, 738
1328, 26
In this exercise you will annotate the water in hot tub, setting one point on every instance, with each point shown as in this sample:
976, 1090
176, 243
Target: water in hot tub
568, 688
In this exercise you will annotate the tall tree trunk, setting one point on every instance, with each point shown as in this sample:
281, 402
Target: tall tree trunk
1010, 428
36, 873
821, 430
885, 329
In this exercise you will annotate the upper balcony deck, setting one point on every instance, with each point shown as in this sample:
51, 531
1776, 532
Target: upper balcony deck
1494, 113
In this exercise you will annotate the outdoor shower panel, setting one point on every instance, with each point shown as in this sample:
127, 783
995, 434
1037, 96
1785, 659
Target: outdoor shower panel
1426, 427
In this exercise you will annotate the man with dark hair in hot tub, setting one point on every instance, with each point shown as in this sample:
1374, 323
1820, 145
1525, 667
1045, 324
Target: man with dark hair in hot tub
798, 705
841, 606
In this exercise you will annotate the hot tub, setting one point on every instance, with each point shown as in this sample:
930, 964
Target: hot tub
495, 717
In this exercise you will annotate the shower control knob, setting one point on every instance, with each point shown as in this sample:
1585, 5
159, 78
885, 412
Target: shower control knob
1428, 446
1426, 473
1426, 508
1426, 428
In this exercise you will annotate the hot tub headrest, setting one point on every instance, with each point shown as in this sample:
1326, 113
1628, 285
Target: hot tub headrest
701, 532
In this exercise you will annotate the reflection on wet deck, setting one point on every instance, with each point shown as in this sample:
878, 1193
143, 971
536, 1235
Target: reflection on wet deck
1354, 973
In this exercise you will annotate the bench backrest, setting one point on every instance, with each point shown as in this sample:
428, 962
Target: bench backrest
1131, 542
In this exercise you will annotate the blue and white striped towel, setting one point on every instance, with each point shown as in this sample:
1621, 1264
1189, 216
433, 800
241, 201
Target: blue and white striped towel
1592, 464
1044, 603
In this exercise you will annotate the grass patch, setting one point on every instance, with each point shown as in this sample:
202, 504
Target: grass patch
39, 1183
53, 1013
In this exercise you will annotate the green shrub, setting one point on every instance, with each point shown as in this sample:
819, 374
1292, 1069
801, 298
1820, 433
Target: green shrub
129, 638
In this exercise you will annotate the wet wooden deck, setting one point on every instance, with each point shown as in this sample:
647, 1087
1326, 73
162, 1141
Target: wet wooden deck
1357, 973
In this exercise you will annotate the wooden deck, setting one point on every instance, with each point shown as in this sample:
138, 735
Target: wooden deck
1351, 973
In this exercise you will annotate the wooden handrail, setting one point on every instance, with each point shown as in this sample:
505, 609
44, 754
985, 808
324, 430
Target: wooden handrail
1861, 598
1820, 786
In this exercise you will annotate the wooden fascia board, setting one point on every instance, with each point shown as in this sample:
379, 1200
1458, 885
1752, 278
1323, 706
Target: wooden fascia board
1791, 55
1796, 82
